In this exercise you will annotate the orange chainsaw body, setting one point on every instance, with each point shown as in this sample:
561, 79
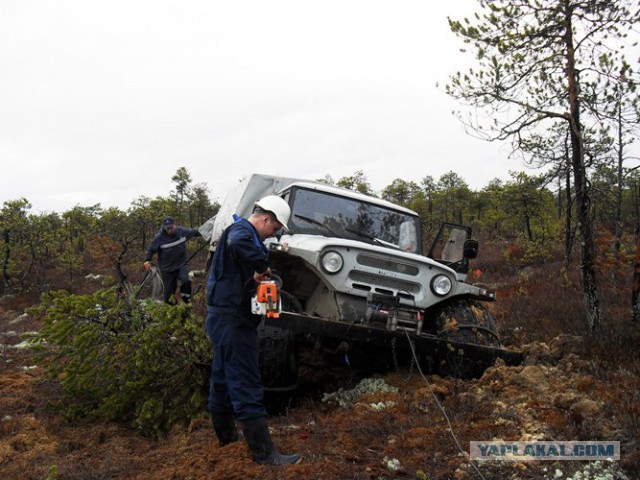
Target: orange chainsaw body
267, 296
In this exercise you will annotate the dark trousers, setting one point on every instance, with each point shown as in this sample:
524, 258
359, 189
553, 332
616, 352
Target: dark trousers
170, 281
236, 384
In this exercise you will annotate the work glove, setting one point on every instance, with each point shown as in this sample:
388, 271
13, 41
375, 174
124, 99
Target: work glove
147, 265
259, 277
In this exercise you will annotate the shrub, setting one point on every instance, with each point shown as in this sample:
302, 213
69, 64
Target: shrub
143, 363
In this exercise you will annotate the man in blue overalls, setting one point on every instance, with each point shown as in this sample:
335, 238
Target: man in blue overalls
170, 244
240, 262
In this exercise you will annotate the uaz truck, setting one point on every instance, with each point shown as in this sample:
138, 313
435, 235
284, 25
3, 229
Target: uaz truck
357, 289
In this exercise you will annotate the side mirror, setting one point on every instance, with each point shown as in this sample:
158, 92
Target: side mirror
470, 249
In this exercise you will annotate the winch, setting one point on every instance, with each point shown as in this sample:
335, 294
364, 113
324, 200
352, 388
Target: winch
386, 310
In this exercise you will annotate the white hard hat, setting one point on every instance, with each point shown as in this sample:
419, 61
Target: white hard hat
278, 206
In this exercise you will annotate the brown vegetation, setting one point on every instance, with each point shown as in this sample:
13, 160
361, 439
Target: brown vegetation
571, 387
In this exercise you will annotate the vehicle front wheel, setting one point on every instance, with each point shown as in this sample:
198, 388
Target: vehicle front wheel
465, 321
278, 358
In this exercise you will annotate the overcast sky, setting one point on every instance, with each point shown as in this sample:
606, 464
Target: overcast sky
102, 101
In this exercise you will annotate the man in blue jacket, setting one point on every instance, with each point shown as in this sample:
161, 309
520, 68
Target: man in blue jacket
170, 244
240, 262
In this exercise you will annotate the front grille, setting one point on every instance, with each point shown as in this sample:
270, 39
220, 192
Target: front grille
382, 281
385, 264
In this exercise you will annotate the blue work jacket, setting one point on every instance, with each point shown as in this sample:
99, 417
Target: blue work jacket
171, 249
239, 254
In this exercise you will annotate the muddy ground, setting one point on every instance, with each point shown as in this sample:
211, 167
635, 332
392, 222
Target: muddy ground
384, 433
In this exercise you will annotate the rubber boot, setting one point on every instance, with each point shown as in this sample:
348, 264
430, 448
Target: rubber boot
185, 292
225, 428
256, 432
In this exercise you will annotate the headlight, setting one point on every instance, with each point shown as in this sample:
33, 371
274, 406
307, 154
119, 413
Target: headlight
332, 262
441, 285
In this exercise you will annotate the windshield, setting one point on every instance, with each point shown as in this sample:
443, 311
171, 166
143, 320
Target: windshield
321, 213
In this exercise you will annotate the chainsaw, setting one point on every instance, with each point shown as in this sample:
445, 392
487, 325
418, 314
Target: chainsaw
266, 301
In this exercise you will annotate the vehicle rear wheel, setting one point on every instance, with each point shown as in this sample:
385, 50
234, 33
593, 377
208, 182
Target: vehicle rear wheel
278, 358
465, 321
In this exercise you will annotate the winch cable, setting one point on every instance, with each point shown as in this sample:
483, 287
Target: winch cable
197, 251
157, 286
441, 408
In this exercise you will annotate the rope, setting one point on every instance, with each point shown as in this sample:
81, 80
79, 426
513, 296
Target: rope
205, 244
444, 414
157, 285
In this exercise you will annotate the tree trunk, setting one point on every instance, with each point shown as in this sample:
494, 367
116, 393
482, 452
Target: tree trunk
568, 219
635, 293
5, 264
118, 263
588, 251
618, 213
560, 198
527, 224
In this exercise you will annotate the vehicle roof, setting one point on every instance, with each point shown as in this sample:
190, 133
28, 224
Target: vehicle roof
242, 197
344, 192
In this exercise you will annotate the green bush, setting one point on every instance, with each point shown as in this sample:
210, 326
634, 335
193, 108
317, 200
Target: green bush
143, 363
536, 253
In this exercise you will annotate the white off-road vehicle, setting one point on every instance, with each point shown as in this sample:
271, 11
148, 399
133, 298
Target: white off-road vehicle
358, 290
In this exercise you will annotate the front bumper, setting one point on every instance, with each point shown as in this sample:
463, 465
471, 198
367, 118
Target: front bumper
424, 343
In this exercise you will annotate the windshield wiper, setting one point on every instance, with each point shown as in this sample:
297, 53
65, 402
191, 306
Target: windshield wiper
315, 222
372, 238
